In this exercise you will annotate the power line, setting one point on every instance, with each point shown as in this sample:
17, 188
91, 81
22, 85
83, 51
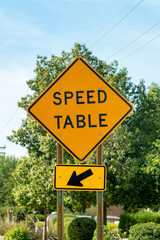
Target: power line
116, 24
134, 40
141, 47
12, 116
121, 10
9, 120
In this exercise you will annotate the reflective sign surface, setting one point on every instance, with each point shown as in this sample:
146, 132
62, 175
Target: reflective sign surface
80, 177
80, 109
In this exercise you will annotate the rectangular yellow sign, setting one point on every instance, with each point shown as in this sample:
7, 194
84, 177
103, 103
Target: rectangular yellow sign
79, 177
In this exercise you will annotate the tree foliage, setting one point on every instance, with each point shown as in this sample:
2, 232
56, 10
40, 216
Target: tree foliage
34, 188
129, 153
7, 182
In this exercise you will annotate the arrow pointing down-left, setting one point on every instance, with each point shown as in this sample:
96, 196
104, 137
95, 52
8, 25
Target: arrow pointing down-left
75, 180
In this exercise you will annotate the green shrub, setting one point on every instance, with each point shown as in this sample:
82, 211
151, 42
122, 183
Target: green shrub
145, 231
17, 233
67, 220
110, 232
128, 220
40, 217
81, 229
54, 220
39, 224
114, 225
69, 215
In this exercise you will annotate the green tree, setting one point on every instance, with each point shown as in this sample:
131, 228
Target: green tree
126, 152
7, 182
152, 168
34, 187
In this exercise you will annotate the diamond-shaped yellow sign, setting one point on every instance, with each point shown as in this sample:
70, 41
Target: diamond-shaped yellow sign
80, 109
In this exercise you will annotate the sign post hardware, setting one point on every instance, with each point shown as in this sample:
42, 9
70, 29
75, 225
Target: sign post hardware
99, 198
60, 218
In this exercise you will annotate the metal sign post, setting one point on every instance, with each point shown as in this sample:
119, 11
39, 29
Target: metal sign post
99, 196
60, 220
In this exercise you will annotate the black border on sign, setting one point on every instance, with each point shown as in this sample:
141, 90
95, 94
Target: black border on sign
52, 84
79, 189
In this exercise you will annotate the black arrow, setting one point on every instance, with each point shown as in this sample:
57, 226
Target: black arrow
75, 180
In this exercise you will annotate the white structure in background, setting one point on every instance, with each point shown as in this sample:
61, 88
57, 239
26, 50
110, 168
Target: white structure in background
51, 216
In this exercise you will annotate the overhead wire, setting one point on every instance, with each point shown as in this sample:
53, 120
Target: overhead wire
110, 19
134, 40
12, 116
115, 25
144, 45
6, 124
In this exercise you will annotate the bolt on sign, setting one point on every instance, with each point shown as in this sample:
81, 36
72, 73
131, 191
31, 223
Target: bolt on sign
79, 177
80, 109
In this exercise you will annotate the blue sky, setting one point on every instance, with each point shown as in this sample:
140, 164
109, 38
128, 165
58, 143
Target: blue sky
35, 27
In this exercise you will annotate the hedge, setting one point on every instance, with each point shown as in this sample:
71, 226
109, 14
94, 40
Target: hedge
128, 220
40, 217
145, 231
81, 229
54, 220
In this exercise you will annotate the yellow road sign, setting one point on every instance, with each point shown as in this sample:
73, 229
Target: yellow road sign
79, 177
80, 109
